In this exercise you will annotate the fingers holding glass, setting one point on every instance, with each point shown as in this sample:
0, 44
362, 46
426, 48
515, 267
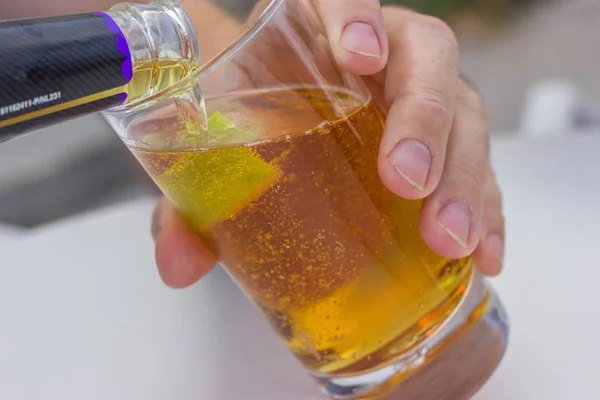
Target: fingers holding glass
489, 254
181, 257
451, 219
421, 86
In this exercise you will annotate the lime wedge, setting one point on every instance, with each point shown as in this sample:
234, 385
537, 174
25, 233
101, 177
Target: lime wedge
212, 185
217, 122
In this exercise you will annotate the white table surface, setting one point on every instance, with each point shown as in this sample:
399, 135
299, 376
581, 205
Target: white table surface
83, 314
8, 234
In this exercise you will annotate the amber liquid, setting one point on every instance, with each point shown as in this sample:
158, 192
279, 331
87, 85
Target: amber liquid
152, 77
303, 223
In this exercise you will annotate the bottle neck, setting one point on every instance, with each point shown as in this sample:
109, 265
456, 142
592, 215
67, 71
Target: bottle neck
160, 36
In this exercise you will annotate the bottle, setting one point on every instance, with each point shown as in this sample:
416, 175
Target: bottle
53, 69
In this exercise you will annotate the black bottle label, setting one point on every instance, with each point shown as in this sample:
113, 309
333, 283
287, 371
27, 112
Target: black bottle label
53, 69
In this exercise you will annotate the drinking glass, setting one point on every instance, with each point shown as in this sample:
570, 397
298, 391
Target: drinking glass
269, 151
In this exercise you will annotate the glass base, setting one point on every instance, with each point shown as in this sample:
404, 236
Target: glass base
452, 364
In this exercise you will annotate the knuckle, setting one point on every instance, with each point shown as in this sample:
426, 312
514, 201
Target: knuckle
442, 30
432, 103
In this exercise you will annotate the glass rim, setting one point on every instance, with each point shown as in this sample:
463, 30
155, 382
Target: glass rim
224, 55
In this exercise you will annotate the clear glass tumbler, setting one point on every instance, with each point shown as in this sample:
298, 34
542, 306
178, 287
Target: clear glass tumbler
269, 151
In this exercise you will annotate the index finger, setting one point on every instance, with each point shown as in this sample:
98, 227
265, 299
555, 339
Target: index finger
356, 34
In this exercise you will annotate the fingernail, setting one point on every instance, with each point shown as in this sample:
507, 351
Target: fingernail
412, 159
361, 38
496, 244
455, 219
156, 222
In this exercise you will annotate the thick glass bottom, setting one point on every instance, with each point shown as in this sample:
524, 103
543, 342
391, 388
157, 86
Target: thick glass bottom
451, 364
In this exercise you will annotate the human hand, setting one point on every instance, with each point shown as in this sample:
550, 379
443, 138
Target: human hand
435, 146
